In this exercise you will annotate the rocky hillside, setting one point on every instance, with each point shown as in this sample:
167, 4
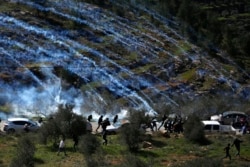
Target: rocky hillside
103, 59
212, 24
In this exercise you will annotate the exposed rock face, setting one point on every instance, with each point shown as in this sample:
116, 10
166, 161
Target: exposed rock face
81, 51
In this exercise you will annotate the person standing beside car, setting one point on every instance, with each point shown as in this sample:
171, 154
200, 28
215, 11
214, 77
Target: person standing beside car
26, 128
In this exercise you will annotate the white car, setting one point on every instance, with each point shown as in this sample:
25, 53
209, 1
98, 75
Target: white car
17, 125
112, 130
115, 128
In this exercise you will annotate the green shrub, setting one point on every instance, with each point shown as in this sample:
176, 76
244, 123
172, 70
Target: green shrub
89, 144
63, 123
90, 147
25, 151
131, 134
194, 130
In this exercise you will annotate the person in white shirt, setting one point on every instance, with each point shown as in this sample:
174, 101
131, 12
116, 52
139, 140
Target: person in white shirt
62, 147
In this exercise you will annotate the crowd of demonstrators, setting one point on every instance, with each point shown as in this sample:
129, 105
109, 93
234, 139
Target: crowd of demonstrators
169, 124
174, 125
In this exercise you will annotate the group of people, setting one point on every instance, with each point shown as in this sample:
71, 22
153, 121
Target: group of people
104, 124
236, 143
169, 124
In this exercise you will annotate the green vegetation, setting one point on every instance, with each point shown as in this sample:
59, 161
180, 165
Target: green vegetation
193, 130
6, 109
24, 152
125, 149
130, 147
129, 58
207, 25
188, 76
164, 152
210, 24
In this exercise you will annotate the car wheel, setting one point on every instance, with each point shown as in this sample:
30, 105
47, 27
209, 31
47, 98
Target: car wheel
10, 131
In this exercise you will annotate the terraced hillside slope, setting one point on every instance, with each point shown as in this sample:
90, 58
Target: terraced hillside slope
102, 60
212, 24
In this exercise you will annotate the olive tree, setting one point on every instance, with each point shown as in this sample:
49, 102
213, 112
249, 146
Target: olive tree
194, 130
64, 123
131, 134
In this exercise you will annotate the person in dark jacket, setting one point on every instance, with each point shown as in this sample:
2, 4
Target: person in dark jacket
99, 122
154, 125
89, 118
164, 118
227, 150
115, 119
105, 123
76, 140
236, 143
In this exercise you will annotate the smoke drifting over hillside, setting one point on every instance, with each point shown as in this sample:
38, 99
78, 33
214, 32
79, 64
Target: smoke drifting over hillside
66, 52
